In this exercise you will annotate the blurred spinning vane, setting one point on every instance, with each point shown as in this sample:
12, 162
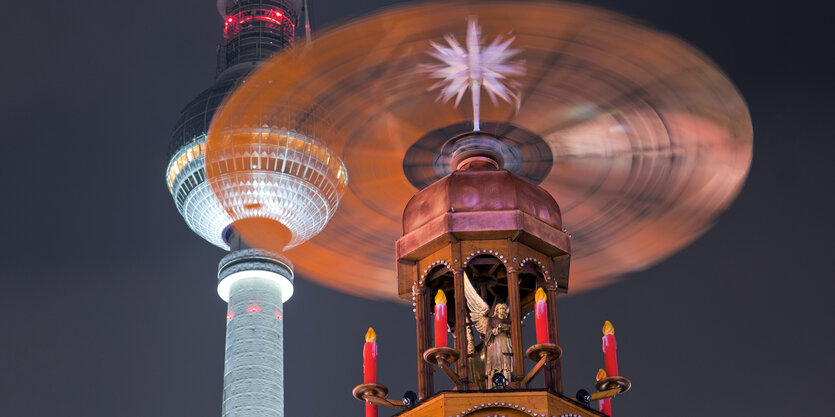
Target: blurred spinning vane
639, 137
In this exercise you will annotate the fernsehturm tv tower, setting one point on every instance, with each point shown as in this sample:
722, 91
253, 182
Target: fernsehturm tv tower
281, 181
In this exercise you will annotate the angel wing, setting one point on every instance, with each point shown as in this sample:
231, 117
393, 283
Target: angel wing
478, 307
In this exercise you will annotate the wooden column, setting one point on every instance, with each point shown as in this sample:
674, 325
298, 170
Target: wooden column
423, 320
461, 324
515, 326
554, 371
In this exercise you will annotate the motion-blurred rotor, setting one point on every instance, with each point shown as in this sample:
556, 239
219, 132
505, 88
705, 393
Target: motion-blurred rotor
640, 138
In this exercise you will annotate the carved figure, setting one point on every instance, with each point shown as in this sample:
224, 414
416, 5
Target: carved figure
475, 359
494, 329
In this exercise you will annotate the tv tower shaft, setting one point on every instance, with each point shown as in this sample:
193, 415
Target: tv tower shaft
256, 284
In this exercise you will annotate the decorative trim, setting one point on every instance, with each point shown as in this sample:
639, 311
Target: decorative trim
497, 404
539, 266
491, 252
432, 266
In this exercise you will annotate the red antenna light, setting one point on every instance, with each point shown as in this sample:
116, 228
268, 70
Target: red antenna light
230, 314
254, 308
278, 314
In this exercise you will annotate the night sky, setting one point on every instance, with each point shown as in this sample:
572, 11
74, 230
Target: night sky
108, 304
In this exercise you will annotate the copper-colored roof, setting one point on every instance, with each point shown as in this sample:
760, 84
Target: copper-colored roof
480, 190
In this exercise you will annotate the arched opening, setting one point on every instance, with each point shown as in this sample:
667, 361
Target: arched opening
488, 275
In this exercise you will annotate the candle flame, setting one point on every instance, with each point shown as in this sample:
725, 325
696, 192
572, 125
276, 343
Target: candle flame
440, 298
600, 374
370, 336
608, 328
540, 295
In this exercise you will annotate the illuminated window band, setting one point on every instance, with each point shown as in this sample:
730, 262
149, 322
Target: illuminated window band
272, 17
190, 154
197, 152
224, 286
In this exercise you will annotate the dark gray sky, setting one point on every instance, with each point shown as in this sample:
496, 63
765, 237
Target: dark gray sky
108, 301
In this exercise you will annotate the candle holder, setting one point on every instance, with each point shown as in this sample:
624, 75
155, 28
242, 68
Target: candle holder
540, 353
610, 386
443, 356
375, 394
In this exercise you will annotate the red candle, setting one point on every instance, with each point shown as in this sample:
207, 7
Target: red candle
542, 334
610, 349
604, 405
369, 367
440, 319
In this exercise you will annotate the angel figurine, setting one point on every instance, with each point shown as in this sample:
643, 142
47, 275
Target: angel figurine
494, 329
